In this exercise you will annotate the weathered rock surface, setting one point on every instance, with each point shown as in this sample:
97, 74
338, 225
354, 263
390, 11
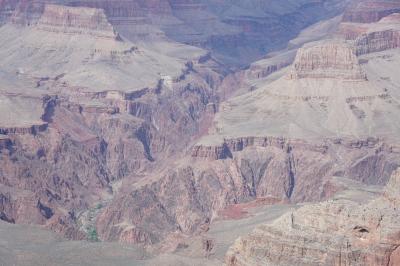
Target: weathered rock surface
337, 232
381, 36
76, 20
327, 60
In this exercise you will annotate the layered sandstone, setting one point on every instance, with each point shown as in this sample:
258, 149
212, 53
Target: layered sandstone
76, 20
327, 60
380, 36
211, 152
335, 233
377, 41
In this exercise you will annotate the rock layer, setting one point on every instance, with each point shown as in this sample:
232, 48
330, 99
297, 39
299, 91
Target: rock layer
75, 20
328, 60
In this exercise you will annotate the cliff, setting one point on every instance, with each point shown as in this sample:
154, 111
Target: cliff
380, 36
334, 60
76, 20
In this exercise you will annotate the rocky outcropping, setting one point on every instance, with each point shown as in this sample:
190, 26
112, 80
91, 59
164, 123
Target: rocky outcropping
211, 152
373, 37
377, 41
380, 36
239, 144
76, 20
334, 60
338, 232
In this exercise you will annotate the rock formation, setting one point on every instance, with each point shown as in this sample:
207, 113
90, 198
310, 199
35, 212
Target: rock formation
327, 60
75, 20
381, 36
337, 232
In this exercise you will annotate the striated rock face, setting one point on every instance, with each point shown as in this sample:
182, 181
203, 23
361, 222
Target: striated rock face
338, 232
75, 20
373, 37
380, 36
211, 152
377, 41
327, 60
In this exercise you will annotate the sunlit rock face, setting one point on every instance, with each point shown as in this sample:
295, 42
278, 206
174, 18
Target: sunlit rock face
329, 60
72, 20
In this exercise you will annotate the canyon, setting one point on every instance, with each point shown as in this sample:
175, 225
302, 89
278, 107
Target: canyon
237, 32
199, 132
